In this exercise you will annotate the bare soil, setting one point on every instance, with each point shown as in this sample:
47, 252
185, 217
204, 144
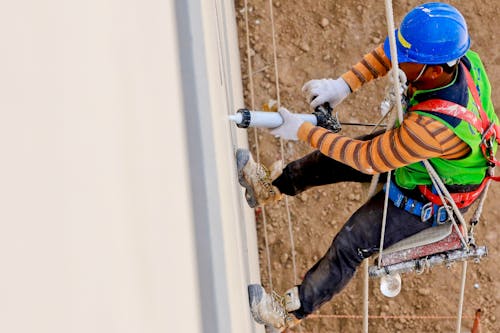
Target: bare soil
321, 39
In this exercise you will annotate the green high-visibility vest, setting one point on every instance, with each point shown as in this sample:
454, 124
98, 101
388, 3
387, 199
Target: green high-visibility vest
468, 170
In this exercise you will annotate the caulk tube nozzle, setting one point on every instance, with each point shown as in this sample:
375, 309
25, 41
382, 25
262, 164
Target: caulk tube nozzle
244, 117
237, 118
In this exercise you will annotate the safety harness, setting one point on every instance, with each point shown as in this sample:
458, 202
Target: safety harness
489, 131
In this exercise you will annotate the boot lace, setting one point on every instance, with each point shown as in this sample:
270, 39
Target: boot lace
278, 304
264, 177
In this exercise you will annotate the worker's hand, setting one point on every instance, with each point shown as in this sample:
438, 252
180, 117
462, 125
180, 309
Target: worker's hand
291, 124
318, 92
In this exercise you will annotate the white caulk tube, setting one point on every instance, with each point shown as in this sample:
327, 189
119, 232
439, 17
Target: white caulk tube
245, 118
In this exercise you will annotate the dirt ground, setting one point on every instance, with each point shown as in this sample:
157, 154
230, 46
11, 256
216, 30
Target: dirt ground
321, 39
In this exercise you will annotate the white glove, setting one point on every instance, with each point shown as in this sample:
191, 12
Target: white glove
291, 124
318, 92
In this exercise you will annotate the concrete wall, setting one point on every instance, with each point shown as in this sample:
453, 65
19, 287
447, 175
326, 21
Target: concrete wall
119, 205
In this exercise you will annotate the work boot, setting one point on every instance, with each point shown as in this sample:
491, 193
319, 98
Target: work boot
292, 300
256, 180
269, 309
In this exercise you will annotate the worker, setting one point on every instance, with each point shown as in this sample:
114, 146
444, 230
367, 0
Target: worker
442, 74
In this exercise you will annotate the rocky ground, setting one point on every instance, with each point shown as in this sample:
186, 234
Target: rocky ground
323, 38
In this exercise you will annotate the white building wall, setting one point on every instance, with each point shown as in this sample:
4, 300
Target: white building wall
119, 205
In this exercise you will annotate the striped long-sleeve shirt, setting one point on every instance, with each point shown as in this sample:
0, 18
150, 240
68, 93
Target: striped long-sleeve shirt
418, 138
373, 65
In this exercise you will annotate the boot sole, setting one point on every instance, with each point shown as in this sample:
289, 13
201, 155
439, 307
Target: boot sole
242, 157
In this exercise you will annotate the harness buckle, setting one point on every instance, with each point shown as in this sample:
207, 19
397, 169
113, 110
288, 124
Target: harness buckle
442, 216
426, 213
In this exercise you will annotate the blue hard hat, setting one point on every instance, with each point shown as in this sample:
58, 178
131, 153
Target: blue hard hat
432, 33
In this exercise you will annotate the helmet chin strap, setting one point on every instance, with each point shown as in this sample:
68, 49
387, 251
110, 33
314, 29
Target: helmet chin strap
420, 74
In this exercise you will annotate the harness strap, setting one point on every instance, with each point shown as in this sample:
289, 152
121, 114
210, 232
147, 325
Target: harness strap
425, 211
450, 109
461, 199
482, 124
475, 95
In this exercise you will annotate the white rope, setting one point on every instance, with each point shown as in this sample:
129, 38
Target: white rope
275, 57
252, 92
390, 32
389, 13
366, 290
440, 188
366, 265
384, 219
445, 196
394, 56
282, 149
256, 140
434, 177
482, 199
461, 298
477, 214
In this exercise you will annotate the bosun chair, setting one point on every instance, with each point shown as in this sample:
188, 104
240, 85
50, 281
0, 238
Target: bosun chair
440, 245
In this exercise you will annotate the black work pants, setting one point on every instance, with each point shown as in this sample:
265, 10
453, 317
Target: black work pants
358, 239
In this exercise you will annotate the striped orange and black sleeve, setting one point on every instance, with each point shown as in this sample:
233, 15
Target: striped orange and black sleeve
418, 138
373, 65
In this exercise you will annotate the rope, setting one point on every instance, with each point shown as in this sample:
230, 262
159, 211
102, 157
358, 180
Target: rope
371, 192
461, 298
477, 214
282, 149
252, 94
317, 316
389, 13
444, 193
441, 188
434, 176
275, 57
384, 219
482, 199
256, 140
366, 290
